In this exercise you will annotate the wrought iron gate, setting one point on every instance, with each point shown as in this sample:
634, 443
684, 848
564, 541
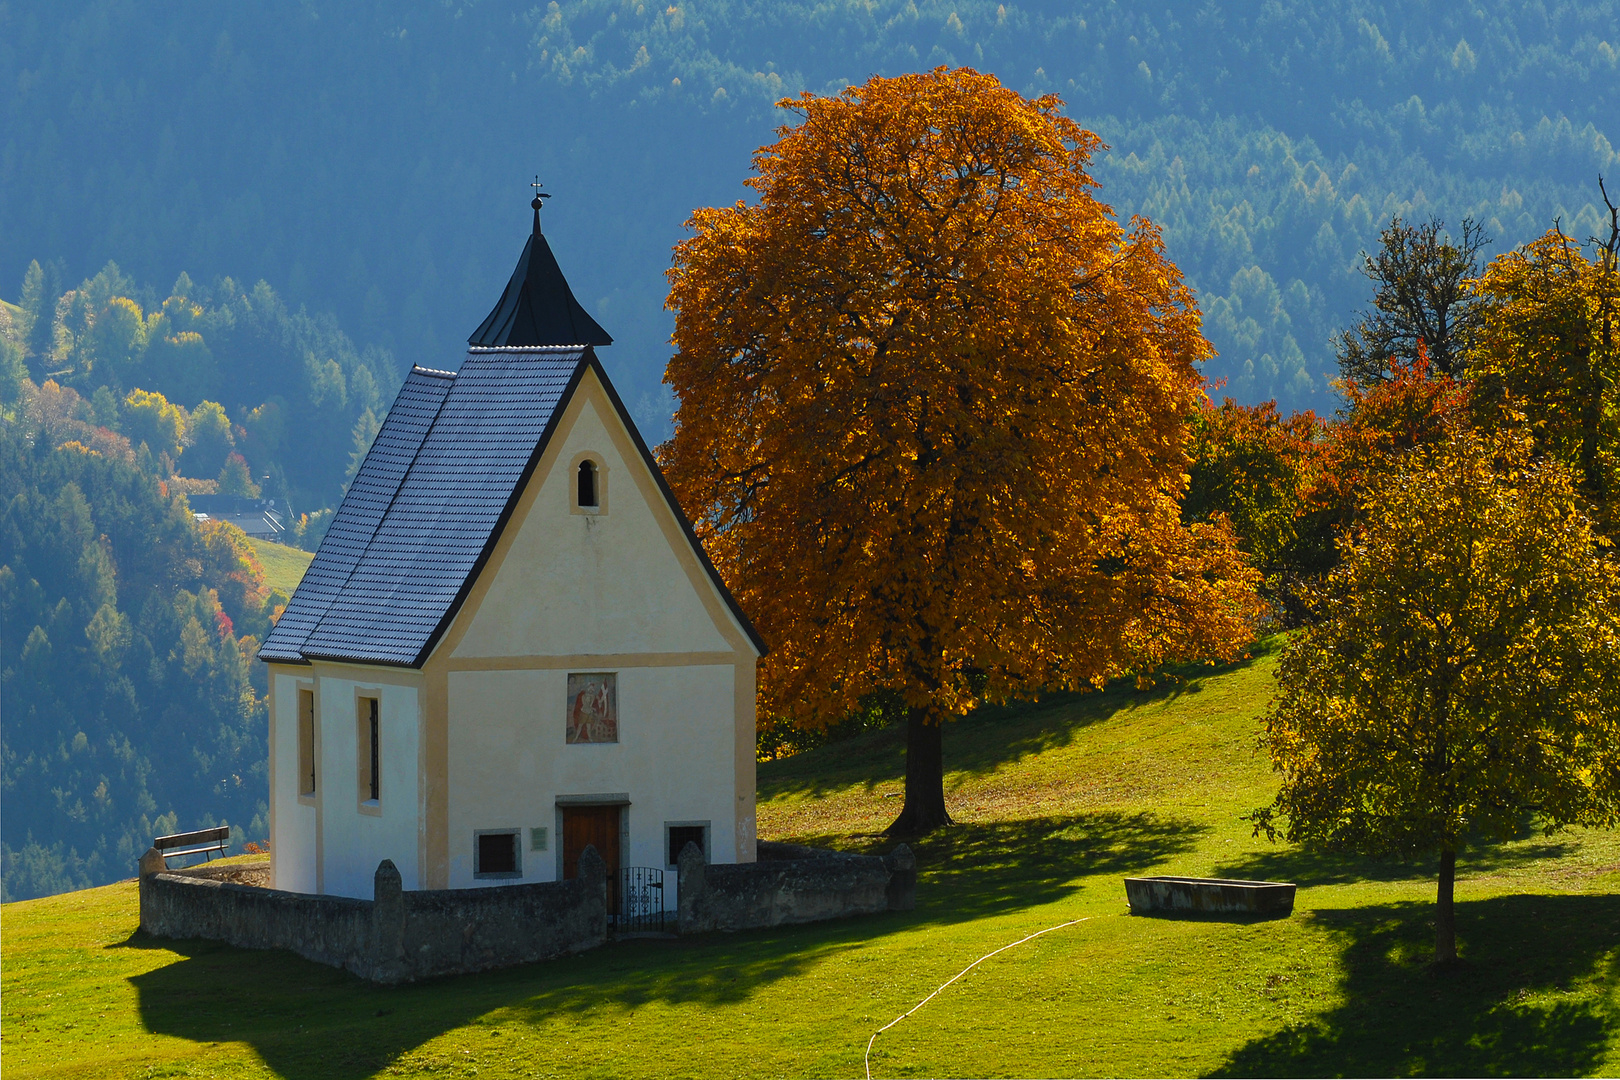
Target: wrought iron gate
638, 903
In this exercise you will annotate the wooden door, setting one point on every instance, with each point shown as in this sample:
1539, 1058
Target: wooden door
597, 826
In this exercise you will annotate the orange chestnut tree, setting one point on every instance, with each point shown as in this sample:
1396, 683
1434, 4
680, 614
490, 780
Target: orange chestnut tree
932, 410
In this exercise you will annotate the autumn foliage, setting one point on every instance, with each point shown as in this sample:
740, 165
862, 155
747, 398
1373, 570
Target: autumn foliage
932, 413
1463, 674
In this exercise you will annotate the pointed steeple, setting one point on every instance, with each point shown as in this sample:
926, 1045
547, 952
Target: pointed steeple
538, 307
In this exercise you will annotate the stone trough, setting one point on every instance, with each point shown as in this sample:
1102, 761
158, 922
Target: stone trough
1209, 896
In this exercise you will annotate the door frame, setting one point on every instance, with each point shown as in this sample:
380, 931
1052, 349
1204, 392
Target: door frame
565, 802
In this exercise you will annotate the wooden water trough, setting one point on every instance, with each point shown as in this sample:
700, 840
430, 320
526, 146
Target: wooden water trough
1209, 896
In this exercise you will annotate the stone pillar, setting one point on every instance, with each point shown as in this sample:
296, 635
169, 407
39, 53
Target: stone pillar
902, 888
151, 864
593, 873
690, 885
388, 961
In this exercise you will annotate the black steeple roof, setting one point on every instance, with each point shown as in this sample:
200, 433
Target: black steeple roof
538, 307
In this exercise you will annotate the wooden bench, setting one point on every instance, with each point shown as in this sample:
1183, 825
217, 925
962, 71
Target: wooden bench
203, 842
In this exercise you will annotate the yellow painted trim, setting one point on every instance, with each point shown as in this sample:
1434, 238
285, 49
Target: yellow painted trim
435, 774
320, 789
270, 743
745, 760
584, 662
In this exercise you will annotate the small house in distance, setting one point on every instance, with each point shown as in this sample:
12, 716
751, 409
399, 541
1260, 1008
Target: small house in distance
510, 644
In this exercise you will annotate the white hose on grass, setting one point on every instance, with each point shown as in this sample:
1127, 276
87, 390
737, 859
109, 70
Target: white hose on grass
953, 978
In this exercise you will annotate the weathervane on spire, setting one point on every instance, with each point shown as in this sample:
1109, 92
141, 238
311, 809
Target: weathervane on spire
535, 202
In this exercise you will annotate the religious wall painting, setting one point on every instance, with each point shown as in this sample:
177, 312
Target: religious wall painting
593, 708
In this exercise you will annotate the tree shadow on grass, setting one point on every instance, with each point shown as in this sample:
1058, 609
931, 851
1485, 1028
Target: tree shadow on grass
1507, 1011
983, 869
1308, 868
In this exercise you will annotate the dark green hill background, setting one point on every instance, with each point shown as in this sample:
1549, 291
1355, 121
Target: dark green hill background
371, 159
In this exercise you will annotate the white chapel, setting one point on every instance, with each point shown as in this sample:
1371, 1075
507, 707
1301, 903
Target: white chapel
510, 644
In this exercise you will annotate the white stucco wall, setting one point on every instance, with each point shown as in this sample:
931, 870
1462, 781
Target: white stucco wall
355, 840
329, 843
292, 822
591, 583
509, 761
614, 591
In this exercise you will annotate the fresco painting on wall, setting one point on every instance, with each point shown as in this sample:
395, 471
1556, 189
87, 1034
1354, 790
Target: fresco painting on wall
593, 708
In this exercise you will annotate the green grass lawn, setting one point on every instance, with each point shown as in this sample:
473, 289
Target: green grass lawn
1056, 803
283, 566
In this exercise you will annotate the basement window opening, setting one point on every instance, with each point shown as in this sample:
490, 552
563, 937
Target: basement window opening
495, 854
679, 836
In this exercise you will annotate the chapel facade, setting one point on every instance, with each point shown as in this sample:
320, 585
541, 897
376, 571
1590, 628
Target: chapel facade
510, 644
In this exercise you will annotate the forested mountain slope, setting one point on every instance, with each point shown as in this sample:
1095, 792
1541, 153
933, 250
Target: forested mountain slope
129, 634
372, 159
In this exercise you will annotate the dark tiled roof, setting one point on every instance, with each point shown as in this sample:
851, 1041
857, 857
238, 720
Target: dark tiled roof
396, 564
538, 307
356, 520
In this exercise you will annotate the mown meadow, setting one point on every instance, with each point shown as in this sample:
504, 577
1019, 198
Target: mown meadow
1055, 802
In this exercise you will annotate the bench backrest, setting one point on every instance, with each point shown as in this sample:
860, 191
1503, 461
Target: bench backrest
218, 834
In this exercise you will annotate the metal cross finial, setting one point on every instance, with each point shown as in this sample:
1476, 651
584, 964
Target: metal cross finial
538, 194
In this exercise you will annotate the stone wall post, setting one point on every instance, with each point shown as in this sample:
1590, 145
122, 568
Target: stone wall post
593, 872
690, 885
151, 863
387, 960
902, 889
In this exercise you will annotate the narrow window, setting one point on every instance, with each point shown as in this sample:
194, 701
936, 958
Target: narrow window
306, 742
587, 484
496, 854
370, 774
681, 835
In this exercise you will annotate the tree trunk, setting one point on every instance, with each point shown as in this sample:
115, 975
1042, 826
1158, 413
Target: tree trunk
924, 810
1445, 914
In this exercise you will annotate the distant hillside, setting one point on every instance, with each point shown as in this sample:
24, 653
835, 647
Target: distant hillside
382, 173
131, 708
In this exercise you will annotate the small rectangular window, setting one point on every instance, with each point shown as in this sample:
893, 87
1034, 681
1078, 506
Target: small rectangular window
368, 755
306, 742
539, 838
496, 854
681, 835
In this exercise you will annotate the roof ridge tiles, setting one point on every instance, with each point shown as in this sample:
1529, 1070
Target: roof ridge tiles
523, 348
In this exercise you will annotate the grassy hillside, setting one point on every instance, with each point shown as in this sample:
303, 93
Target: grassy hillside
283, 566
1056, 804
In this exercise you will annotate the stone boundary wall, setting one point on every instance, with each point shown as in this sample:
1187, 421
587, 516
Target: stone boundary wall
395, 937
791, 883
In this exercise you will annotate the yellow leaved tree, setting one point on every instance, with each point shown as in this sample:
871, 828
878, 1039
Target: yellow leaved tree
1464, 672
932, 416
1549, 345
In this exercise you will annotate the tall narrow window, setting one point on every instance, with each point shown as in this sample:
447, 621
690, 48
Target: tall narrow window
370, 751
587, 484
306, 742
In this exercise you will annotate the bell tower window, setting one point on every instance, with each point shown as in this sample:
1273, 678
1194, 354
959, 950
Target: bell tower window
587, 485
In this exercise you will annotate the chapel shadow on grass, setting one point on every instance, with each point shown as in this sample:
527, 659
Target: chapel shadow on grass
1505, 1012
312, 1022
